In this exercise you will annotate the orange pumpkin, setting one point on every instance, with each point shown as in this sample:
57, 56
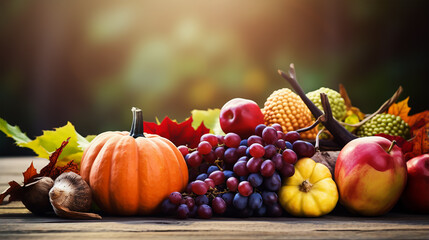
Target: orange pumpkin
130, 173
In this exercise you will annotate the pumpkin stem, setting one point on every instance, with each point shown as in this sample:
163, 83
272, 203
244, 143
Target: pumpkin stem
137, 125
305, 186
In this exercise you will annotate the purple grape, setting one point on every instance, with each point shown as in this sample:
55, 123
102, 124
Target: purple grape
277, 127
273, 183
218, 205
278, 161
255, 179
269, 197
183, 211
211, 138
195, 159
267, 168
254, 139
167, 207
289, 156
274, 210
239, 201
270, 151
232, 184
254, 165
259, 129
183, 150
280, 135
210, 183
243, 158
303, 149
241, 151
231, 155
228, 173
200, 200
256, 150
189, 201
193, 212
202, 176
228, 198
287, 170
255, 201
219, 152
204, 211
199, 187
280, 143
232, 140
269, 135
240, 168
175, 198
218, 177
245, 188
288, 145
210, 157
212, 169
292, 136
204, 147
243, 142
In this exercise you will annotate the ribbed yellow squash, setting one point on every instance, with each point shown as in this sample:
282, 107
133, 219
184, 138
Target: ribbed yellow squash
310, 192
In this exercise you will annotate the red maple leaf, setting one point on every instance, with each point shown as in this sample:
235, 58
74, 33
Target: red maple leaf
30, 174
178, 133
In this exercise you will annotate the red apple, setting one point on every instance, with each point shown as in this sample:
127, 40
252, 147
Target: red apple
416, 193
240, 116
371, 174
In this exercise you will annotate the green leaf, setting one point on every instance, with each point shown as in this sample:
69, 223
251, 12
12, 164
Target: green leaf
47, 143
50, 140
210, 118
14, 132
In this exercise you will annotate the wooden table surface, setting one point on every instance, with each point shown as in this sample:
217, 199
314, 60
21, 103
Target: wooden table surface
16, 222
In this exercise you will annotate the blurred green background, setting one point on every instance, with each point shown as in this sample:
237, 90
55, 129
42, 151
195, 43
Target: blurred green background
89, 62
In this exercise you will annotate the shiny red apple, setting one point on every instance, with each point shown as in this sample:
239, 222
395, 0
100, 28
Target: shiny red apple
371, 175
416, 193
240, 116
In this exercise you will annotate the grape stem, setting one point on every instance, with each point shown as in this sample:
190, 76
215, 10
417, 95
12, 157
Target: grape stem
218, 165
341, 135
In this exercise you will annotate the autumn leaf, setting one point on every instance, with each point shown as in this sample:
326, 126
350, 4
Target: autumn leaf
29, 174
178, 133
420, 142
13, 190
400, 109
417, 120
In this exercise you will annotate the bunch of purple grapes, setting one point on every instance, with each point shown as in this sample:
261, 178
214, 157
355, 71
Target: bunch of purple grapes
230, 176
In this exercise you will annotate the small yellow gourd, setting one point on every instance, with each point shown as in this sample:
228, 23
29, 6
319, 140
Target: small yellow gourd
310, 192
